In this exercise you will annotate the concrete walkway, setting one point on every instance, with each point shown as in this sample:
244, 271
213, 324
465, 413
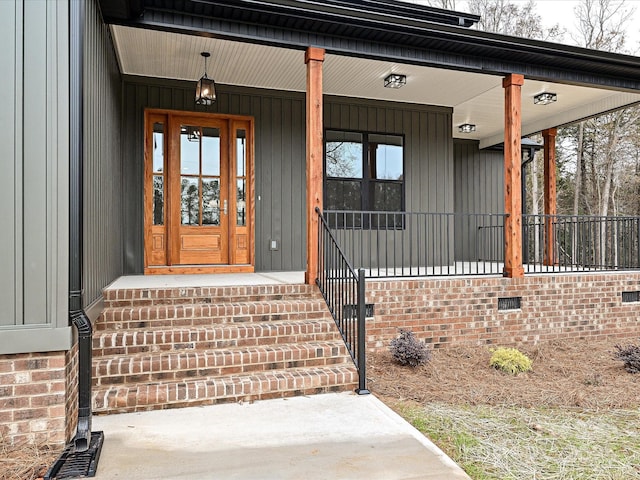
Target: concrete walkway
331, 436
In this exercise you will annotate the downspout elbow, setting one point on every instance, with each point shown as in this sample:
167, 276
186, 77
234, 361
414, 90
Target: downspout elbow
85, 332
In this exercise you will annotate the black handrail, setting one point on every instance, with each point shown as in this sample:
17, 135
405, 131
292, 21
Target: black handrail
420, 244
344, 291
417, 244
581, 243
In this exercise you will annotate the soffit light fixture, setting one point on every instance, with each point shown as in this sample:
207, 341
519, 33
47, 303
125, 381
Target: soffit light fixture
545, 98
467, 128
206, 87
395, 80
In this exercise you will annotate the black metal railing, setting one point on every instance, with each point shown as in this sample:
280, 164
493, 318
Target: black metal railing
404, 244
575, 243
344, 291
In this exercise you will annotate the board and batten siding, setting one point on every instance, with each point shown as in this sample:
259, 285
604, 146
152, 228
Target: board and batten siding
34, 201
479, 189
279, 164
428, 173
280, 176
103, 193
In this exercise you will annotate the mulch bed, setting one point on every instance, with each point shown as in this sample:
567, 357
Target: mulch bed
566, 373
28, 462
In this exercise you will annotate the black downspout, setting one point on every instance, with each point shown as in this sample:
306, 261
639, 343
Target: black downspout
77, 316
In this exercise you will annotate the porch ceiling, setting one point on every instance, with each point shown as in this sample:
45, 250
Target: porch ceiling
475, 98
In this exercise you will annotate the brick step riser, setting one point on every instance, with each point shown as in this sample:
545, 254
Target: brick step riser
131, 298
189, 365
237, 311
129, 343
218, 372
185, 320
212, 391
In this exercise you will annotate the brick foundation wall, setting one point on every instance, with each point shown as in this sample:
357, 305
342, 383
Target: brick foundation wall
33, 398
456, 311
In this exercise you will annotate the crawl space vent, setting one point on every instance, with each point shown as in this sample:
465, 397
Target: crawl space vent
509, 303
629, 297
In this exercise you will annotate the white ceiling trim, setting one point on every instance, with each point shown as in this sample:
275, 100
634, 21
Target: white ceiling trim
475, 98
612, 101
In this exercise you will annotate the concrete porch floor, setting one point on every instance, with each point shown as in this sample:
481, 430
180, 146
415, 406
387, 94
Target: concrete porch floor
207, 280
458, 269
330, 436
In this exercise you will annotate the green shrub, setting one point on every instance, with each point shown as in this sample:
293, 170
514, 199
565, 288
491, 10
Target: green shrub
630, 355
510, 360
406, 349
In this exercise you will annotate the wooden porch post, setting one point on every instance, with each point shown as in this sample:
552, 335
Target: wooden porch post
313, 58
550, 206
512, 85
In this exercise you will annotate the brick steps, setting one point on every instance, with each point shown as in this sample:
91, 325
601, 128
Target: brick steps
233, 388
159, 339
188, 364
135, 317
212, 295
167, 347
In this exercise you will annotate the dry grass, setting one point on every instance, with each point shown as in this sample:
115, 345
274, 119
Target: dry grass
28, 462
574, 416
531, 444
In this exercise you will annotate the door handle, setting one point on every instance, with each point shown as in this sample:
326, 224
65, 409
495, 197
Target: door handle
224, 207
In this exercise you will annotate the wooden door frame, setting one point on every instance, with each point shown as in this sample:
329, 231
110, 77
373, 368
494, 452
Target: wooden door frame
171, 150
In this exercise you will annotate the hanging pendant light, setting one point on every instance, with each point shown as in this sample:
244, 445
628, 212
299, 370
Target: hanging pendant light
206, 87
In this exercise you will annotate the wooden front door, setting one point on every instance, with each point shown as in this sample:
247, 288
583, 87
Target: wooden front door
198, 191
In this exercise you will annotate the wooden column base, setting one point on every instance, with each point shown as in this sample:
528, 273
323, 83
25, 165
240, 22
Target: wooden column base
513, 272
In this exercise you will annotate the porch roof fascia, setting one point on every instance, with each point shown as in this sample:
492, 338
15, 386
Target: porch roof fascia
344, 30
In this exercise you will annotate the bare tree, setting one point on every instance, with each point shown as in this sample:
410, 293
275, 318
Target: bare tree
504, 16
602, 24
444, 4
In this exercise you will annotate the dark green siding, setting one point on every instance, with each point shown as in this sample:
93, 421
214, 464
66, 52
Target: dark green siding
103, 185
479, 188
428, 176
428, 148
34, 185
279, 164
280, 157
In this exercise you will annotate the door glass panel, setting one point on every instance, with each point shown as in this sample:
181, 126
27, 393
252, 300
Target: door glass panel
241, 153
241, 202
211, 201
158, 173
189, 150
158, 200
189, 201
211, 151
241, 177
158, 147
